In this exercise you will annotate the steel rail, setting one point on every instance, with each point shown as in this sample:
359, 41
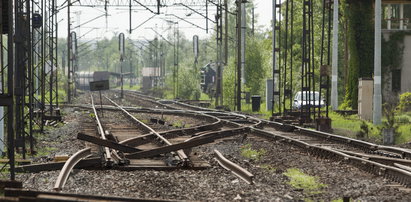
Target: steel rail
380, 159
404, 153
68, 166
101, 131
404, 167
396, 174
180, 153
151, 101
236, 169
373, 164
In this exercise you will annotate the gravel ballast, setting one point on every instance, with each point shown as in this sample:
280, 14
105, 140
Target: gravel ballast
216, 183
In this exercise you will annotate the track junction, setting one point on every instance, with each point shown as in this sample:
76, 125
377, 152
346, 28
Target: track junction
178, 143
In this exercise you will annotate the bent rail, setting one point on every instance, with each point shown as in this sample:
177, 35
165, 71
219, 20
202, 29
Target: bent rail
236, 169
68, 166
180, 153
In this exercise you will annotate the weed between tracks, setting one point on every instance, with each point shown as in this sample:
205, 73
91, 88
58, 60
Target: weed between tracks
248, 152
300, 180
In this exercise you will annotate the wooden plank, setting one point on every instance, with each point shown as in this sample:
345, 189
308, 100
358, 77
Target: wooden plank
200, 140
12, 192
169, 148
18, 161
107, 143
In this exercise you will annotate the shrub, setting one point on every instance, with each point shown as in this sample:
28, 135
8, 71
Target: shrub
405, 102
364, 130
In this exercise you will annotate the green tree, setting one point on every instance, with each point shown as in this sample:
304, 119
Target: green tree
255, 70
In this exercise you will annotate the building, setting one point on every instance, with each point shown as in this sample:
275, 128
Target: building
396, 17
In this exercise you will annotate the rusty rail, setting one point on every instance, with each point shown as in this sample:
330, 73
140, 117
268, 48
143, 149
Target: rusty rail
388, 167
101, 131
236, 169
183, 157
68, 166
396, 174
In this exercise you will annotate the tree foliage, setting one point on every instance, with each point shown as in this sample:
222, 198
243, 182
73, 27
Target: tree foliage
361, 47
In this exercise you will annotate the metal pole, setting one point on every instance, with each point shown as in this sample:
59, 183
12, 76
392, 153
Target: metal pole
130, 22
68, 53
243, 32
273, 53
10, 88
226, 32
206, 16
239, 60
376, 116
122, 53
178, 42
252, 23
334, 78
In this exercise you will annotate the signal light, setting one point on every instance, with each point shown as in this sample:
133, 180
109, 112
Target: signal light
37, 20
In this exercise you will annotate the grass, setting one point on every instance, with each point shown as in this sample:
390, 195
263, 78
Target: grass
268, 167
178, 124
44, 151
300, 180
404, 134
248, 109
350, 126
248, 152
127, 86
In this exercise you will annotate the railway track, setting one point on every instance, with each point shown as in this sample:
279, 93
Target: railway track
135, 138
390, 162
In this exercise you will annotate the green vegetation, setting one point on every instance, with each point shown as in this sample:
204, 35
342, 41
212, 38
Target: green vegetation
178, 124
300, 180
361, 47
92, 115
405, 102
247, 108
44, 151
351, 125
248, 152
268, 167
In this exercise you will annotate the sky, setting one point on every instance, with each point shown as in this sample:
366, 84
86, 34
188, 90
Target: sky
117, 21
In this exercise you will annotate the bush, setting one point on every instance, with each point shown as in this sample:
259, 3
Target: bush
403, 119
405, 102
364, 130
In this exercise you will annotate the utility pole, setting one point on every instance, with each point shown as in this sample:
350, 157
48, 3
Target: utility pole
243, 34
121, 48
239, 59
68, 53
252, 23
273, 55
376, 115
334, 77
219, 61
226, 33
